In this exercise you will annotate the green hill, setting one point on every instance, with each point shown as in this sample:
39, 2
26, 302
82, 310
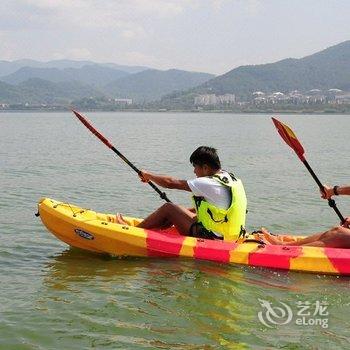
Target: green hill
152, 84
324, 70
39, 91
62, 86
9, 93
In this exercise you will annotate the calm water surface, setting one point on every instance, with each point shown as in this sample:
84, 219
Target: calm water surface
54, 297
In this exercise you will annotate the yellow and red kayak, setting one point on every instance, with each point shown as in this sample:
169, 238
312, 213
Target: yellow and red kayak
96, 232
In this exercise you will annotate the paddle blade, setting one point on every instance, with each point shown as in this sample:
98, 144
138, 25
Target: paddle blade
92, 129
290, 138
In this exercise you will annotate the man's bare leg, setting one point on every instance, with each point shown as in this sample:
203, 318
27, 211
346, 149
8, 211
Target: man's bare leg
119, 219
276, 240
167, 223
337, 237
160, 216
173, 214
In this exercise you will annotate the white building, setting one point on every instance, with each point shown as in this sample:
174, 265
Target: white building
205, 100
343, 99
212, 99
227, 99
258, 94
123, 101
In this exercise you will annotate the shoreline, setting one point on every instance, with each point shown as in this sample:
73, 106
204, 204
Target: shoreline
63, 110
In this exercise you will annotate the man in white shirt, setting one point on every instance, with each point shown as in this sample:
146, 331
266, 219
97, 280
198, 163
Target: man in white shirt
211, 187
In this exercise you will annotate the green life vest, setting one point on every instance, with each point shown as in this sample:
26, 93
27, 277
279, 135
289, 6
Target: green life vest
229, 222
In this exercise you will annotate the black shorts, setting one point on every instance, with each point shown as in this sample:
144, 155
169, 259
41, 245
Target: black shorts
199, 231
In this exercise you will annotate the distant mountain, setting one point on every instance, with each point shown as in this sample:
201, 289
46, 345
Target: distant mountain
9, 67
62, 86
324, 70
38, 91
94, 75
152, 84
128, 69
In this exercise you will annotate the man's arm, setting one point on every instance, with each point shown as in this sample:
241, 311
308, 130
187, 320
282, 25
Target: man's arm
340, 190
165, 181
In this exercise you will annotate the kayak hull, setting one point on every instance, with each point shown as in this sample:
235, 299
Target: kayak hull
92, 231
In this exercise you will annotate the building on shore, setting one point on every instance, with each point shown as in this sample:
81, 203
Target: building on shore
295, 97
342, 99
123, 101
212, 99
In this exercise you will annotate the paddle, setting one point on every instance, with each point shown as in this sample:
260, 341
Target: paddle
291, 140
109, 145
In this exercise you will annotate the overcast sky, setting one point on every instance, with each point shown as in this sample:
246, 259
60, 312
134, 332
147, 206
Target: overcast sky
213, 36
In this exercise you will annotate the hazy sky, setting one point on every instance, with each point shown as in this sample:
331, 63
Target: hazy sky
201, 35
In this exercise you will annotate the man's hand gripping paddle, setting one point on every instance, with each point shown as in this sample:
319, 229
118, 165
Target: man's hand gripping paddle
109, 145
291, 140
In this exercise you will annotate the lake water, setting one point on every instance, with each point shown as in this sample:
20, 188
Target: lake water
54, 297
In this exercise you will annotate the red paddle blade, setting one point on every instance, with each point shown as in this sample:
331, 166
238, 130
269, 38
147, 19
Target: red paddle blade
92, 129
290, 138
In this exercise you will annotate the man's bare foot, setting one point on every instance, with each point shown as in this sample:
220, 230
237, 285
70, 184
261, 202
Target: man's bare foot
120, 220
270, 238
264, 231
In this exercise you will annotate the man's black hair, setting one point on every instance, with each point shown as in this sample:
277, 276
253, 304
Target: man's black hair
205, 155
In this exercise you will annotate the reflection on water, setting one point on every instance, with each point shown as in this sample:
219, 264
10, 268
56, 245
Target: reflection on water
162, 297
162, 301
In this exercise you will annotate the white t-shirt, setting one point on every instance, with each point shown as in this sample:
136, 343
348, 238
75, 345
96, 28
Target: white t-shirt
211, 190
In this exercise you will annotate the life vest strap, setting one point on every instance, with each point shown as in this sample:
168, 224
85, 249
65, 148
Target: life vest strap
225, 219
